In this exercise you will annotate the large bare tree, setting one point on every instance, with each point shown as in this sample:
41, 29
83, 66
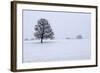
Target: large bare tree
43, 30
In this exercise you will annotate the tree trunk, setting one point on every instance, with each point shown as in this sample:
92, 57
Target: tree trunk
41, 40
42, 35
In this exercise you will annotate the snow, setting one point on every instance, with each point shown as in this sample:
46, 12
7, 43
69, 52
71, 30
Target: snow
56, 50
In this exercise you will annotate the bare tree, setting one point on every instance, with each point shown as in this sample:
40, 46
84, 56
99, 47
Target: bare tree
43, 30
79, 37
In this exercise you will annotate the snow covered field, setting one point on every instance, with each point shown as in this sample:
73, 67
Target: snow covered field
56, 50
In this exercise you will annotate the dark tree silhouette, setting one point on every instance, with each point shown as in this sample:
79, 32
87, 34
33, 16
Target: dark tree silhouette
43, 30
79, 37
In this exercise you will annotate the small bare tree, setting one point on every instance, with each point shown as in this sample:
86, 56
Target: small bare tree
79, 37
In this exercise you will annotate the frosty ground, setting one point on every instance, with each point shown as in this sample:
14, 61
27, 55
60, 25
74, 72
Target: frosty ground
56, 50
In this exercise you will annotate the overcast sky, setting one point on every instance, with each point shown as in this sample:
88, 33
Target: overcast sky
64, 24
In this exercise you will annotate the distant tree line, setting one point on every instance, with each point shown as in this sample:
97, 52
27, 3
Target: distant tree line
77, 37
